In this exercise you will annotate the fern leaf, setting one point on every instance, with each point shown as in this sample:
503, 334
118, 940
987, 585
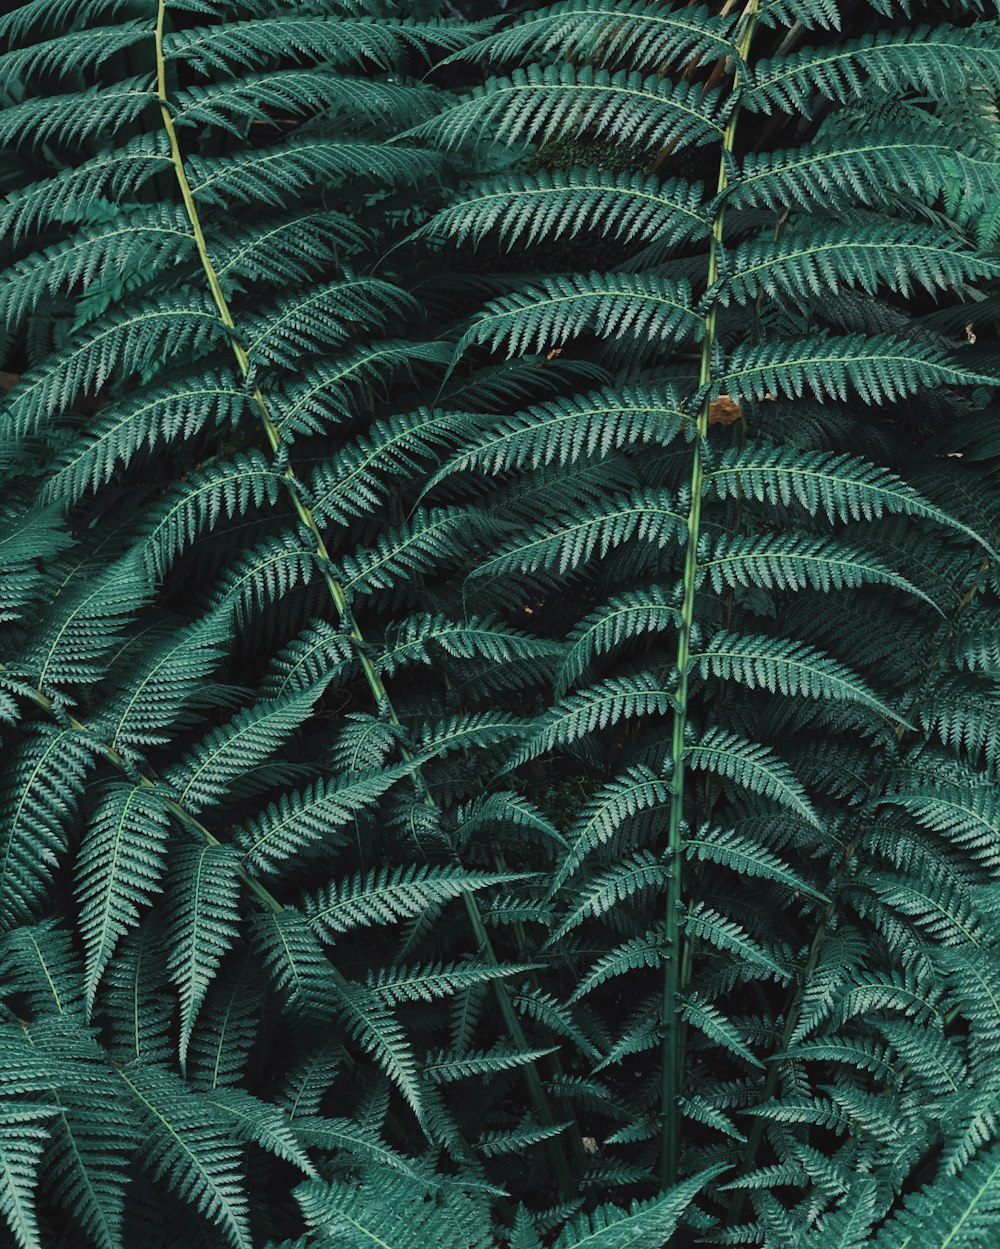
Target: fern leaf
276, 177
322, 393
445, 1067
831, 258
843, 487
203, 894
392, 986
226, 753
187, 1148
394, 1211
782, 666
745, 856
148, 417
386, 896
125, 342
632, 794
565, 430
795, 562
590, 30
563, 543
427, 541
23, 1138
84, 623
632, 614
309, 818
169, 680
418, 638
70, 119
230, 47
701, 921
119, 870
303, 93
953, 1212
231, 488
880, 369
146, 241
263, 1124
539, 103
935, 61
552, 204
645, 1225
880, 172
362, 476
713, 1024
642, 870
296, 964
600, 707
636, 952
751, 766
547, 316
44, 784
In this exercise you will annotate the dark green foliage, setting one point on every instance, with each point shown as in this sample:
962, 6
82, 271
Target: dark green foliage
498, 625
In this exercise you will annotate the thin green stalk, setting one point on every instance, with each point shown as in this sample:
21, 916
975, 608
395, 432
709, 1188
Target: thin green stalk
535, 1088
672, 1060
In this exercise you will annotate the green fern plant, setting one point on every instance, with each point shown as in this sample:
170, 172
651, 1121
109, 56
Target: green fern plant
436, 801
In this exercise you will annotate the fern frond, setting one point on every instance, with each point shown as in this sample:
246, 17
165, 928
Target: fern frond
362, 475
874, 174
300, 822
224, 754
741, 854
782, 666
795, 562
419, 638
543, 317
43, 786
203, 892
170, 679
187, 1148
565, 430
725, 934
636, 791
300, 93
633, 614
844, 488
119, 870
553, 204
636, 952
539, 103
149, 417
600, 707
563, 543
23, 1139
956, 1211
274, 177
879, 369
831, 258
642, 870
751, 766
606, 34
386, 896
84, 623
937, 61
235, 45
124, 341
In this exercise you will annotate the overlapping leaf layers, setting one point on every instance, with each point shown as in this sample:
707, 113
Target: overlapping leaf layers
442, 762
766, 542
243, 940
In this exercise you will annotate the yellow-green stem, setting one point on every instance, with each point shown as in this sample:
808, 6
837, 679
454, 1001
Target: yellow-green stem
536, 1090
672, 1057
